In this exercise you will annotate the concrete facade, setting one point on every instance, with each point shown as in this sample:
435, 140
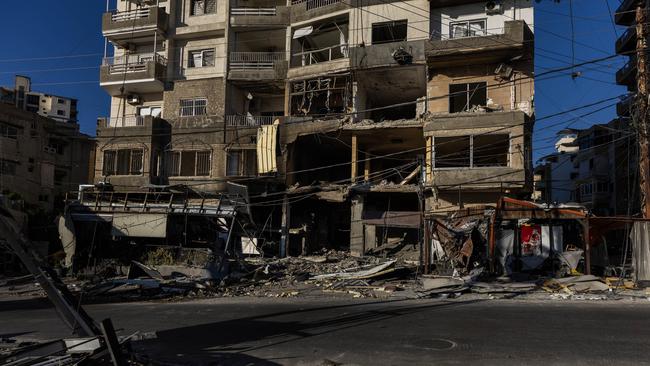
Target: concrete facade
41, 159
362, 96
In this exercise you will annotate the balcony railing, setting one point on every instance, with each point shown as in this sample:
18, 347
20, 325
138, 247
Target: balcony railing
253, 11
124, 16
124, 121
254, 60
248, 121
132, 63
314, 4
320, 55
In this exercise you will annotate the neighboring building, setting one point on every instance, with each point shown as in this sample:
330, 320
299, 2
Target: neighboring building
41, 159
555, 173
58, 108
606, 167
353, 98
626, 45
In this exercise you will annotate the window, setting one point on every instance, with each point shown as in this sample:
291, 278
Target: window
452, 152
8, 167
57, 146
59, 176
386, 32
60, 113
602, 187
189, 163
32, 99
202, 58
471, 151
490, 150
123, 162
470, 28
241, 163
8, 131
200, 7
61, 101
193, 107
464, 97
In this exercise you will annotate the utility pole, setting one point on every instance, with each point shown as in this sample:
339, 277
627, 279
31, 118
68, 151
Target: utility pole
642, 105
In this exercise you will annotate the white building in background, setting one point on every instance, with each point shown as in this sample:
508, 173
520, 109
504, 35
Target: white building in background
555, 173
58, 108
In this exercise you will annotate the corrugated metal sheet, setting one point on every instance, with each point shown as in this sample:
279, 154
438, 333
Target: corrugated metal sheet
140, 225
640, 236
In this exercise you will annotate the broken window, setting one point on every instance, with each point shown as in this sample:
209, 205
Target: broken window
320, 42
200, 7
201, 58
320, 96
190, 163
470, 28
465, 97
452, 152
491, 150
241, 163
123, 162
386, 32
193, 107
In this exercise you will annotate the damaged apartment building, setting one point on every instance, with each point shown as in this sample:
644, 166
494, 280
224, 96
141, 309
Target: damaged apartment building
307, 124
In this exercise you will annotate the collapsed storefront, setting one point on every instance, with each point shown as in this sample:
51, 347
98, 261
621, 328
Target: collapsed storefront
518, 236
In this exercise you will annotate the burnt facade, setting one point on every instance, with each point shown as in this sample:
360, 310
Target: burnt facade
344, 121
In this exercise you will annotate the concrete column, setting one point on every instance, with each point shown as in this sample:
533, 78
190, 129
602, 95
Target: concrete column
354, 159
370, 236
356, 226
286, 223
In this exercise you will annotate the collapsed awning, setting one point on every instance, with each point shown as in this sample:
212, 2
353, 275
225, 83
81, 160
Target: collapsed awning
301, 32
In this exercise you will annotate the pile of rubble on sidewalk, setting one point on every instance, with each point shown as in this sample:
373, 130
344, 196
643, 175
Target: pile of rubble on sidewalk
331, 273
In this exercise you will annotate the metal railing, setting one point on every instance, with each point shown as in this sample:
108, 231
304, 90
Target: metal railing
125, 121
320, 55
314, 4
132, 63
254, 60
123, 16
248, 121
253, 11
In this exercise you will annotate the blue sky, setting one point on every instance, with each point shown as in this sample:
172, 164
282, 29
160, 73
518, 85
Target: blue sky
64, 39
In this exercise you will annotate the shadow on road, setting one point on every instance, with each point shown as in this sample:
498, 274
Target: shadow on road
212, 341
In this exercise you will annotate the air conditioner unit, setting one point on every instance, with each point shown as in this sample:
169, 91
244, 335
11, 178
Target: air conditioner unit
133, 99
493, 7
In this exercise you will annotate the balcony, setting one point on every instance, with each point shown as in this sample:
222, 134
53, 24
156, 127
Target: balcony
388, 54
257, 66
626, 75
257, 17
625, 13
306, 9
249, 121
139, 25
623, 107
141, 73
626, 43
515, 38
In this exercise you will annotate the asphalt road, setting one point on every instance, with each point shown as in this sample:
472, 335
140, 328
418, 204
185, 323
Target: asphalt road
253, 331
